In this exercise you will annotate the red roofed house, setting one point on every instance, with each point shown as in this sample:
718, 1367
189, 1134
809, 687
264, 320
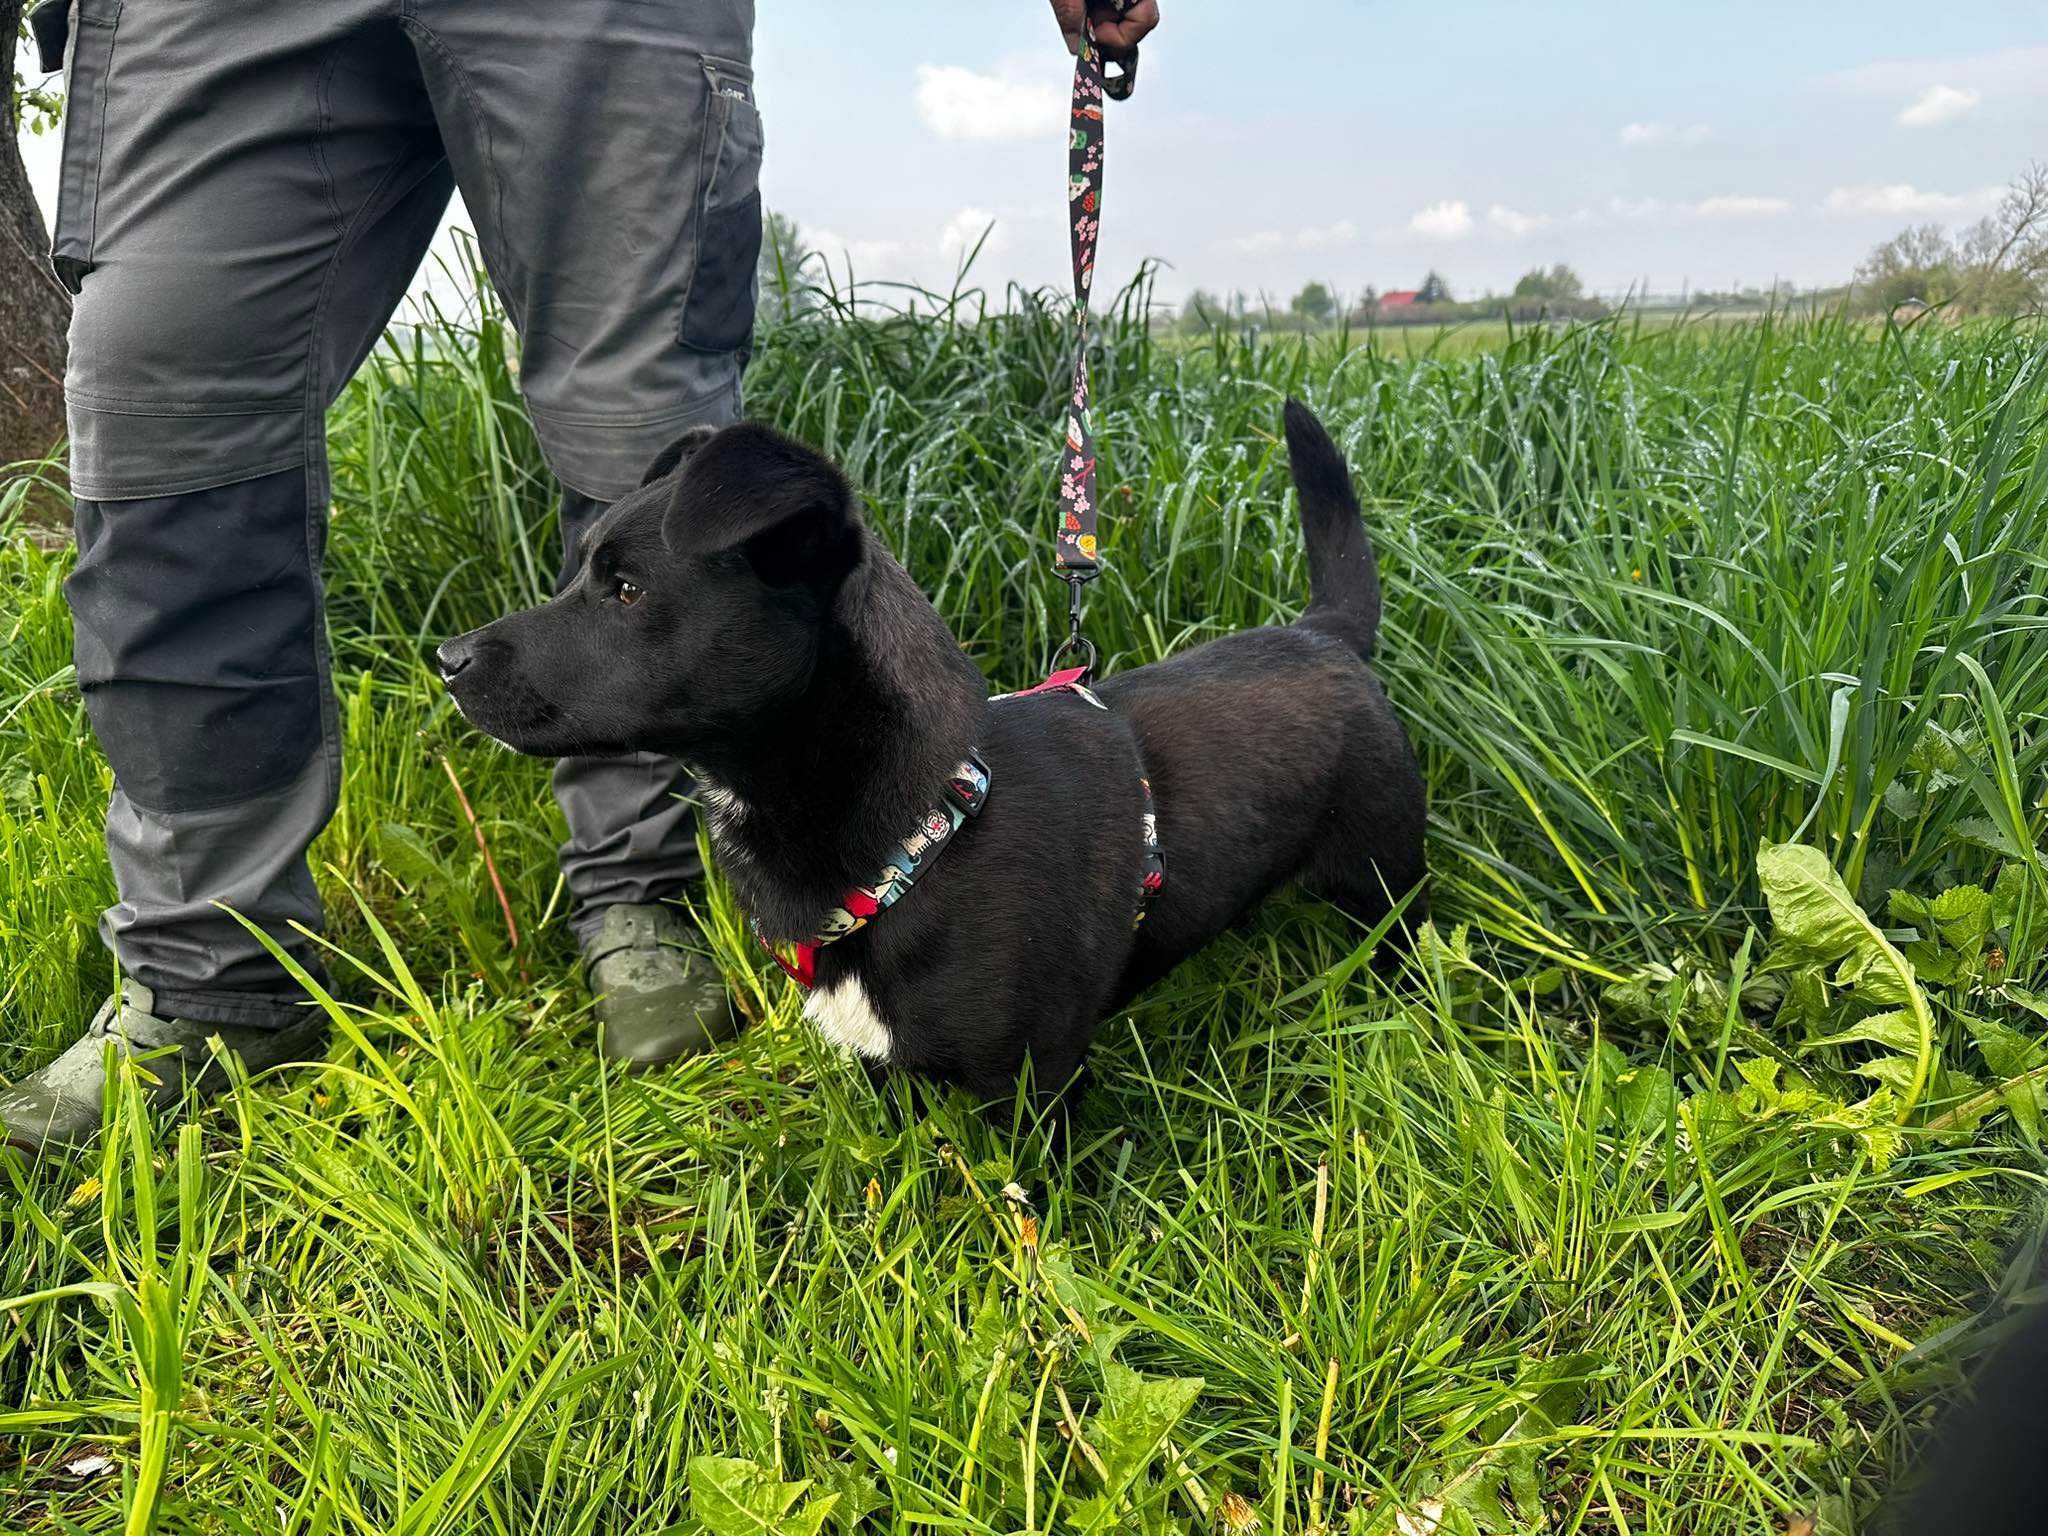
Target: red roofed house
1399, 299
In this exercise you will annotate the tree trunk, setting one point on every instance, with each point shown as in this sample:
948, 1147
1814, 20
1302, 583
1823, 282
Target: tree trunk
34, 308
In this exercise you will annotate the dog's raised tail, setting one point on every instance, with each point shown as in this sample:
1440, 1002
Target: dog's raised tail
1343, 574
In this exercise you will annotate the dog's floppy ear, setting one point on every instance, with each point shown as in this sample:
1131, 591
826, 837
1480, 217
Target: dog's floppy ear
783, 507
665, 462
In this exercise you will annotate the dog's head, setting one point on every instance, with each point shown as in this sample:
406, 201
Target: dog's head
702, 604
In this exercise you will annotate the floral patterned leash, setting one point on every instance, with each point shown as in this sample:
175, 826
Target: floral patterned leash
1074, 546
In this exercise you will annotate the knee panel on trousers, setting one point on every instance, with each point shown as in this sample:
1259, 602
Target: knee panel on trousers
196, 624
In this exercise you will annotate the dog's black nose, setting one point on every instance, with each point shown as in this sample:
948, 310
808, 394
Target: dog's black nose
453, 656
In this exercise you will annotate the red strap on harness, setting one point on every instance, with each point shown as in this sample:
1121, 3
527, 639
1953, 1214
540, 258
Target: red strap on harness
804, 970
860, 904
1065, 678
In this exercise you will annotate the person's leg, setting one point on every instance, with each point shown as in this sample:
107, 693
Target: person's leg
242, 208
617, 203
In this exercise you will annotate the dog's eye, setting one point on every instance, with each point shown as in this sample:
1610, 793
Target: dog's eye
626, 592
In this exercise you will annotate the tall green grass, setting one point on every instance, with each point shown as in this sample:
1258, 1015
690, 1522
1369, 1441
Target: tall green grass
1589, 1222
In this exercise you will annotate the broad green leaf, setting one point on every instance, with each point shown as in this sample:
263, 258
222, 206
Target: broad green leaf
2033, 1002
1137, 1414
1957, 925
1933, 963
991, 1330
1108, 1338
1435, 951
1984, 833
733, 1497
1816, 921
1763, 1095
406, 854
1805, 1003
2011, 1055
854, 1494
2006, 1051
1895, 1030
1647, 1096
988, 1361
1964, 913
1895, 1072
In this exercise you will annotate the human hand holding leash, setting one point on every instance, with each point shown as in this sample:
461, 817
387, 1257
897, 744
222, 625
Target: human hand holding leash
1116, 28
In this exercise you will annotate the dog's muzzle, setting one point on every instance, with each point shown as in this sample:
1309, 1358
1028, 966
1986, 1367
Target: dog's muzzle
454, 655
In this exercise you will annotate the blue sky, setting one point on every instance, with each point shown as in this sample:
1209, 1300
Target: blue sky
1646, 143
1365, 142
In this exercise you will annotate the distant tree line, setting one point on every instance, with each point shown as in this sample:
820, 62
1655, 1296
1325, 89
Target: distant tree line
1998, 266
1553, 293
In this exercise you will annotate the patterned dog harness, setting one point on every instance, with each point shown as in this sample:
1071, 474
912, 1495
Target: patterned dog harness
967, 790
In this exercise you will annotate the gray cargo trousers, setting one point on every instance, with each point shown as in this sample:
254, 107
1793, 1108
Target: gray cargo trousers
246, 191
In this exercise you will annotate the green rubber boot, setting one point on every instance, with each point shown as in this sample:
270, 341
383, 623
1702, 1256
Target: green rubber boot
59, 1107
658, 996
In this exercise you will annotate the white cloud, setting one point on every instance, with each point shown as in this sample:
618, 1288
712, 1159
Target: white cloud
1454, 219
1901, 200
1506, 221
1939, 104
1654, 210
966, 229
1735, 208
959, 103
866, 258
1312, 237
1638, 135
1328, 237
1447, 220
1018, 243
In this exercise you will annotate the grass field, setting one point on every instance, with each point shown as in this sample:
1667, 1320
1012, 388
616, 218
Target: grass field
1663, 1192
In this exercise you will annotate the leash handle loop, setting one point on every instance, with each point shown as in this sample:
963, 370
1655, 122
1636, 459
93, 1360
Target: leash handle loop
1120, 84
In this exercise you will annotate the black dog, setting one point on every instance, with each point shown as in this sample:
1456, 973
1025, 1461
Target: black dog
1983, 1472
735, 613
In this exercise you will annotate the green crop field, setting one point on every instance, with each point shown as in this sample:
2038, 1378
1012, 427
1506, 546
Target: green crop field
1666, 1190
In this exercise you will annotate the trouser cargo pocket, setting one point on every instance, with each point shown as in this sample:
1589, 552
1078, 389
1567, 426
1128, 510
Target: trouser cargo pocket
718, 304
88, 57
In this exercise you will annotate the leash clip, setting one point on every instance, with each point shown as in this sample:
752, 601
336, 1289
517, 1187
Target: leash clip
1076, 643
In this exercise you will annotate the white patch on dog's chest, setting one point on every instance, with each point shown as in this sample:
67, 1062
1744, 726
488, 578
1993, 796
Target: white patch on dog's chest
845, 1015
